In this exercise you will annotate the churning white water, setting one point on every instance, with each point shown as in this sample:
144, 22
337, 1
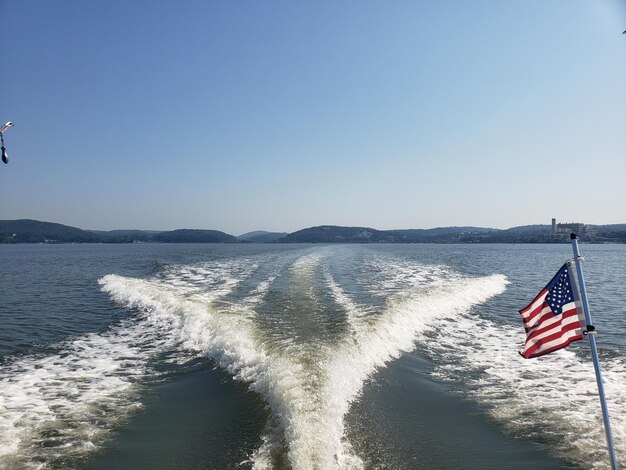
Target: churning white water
305, 333
308, 387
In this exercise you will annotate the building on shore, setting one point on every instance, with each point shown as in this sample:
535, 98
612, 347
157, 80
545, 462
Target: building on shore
567, 228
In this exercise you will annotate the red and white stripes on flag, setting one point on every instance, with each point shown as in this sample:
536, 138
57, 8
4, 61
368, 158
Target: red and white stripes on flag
551, 320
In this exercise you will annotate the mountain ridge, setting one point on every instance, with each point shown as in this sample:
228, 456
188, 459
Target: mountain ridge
35, 231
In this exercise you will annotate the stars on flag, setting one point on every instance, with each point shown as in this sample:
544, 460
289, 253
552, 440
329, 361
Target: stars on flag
559, 291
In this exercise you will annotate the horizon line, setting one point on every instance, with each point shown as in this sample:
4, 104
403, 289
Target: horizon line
308, 227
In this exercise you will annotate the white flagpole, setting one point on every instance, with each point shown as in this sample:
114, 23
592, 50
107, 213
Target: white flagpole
590, 332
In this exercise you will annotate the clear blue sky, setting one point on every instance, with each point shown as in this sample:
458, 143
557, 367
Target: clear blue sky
278, 115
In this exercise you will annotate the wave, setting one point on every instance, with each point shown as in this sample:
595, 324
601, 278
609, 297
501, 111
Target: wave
308, 388
308, 395
552, 399
372, 345
59, 407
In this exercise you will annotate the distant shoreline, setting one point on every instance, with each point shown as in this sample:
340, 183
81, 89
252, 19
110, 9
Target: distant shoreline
23, 231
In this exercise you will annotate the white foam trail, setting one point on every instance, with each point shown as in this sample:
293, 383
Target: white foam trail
63, 405
398, 275
354, 313
211, 280
308, 387
372, 344
308, 394
191, 320
232, 339
553, 398
404, 317
308, 263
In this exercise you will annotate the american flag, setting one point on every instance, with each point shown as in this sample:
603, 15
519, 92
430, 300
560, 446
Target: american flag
551, 319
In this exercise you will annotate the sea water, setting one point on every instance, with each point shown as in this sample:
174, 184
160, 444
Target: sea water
299, 356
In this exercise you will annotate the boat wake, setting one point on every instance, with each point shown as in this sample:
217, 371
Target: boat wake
58, 407
308, 387
291, 329
552, 400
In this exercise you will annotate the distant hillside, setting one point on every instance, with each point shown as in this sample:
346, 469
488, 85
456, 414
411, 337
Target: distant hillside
521, 234
34, 231
542, 234
610, 227
194, 236
539, 228
261, 236
336, 234
437, 234
442, 231
124, 236
613, 232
